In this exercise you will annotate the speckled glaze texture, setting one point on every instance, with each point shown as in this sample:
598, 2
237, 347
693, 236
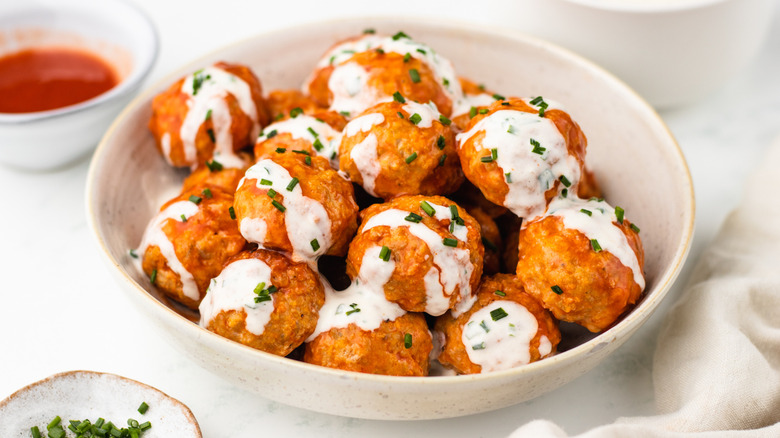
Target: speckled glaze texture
81, 395
638, 163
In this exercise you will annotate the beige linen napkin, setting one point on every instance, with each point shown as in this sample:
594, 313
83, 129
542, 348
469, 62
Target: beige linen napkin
716, 369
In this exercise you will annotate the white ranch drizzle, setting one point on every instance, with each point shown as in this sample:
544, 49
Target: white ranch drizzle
599, 225
364, 154
234, 289
154, 236
165, 146
427, 111
529, 174
363, 303
209, 101
441, 67
347, 83
305, 219
453, 264
472, 100
498, 343
301, 127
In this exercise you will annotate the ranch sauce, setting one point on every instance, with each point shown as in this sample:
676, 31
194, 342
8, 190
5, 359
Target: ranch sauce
309, 128
234, 289
364, 154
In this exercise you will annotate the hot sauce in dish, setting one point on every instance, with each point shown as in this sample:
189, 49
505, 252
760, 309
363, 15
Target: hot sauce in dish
48, 78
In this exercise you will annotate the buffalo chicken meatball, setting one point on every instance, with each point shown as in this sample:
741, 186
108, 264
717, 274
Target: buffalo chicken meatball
301, 132
506, 328
401, 148
431, 247
187, 242
264, 300
583, 260
210, 114
296, 203
522, 153
360, 72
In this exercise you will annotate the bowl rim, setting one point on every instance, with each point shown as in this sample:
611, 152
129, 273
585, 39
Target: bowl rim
143, 62
645, 6
626, 326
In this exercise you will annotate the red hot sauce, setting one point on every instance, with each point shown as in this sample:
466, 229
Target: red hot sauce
47, 78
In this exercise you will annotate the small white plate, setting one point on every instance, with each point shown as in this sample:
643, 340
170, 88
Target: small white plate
82, 395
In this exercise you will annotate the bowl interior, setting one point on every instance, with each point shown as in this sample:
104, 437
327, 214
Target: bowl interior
635, 158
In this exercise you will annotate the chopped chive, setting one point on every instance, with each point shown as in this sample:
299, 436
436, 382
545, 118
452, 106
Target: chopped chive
133, 254
538, 149
355, 309
183, 218
279, 116
564, 193
481, 87
454, 211
635, 228
281, 150
279, 206
399, 35
447, 241
557, 289
413, 217
398, 98
483, 111
214, 165
441, 142
619, 212
307, 160
312, 132
537, 100
480, 346
345, 113
195, 199
292, 184
143, 408
407, 57
415, 118
301, 151
384, 253
500, 293
369, 31
132, 423
265, 182
145, 426
494, 153
505, 104
153, 277
36, 433
510, 129
489, 245
498, 97
54, 422
487, 158
315, 245
499, 313
232, 212
400, 114
586, 211
595, 245
207, 193
442, 159
208, 115
422, 51
565, 181
472, 112
427, 208
445, 82
508, 177
415, 75
295, 112
210, 133
317, 145
408, 340
444, 120
411, 158
271, 134
271, 193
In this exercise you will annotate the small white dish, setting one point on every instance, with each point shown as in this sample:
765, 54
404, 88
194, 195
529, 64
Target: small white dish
115, 30
637, 162
82, 395
672, 52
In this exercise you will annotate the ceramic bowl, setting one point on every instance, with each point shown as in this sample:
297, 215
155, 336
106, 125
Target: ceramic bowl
116, 31
90, 395
632, 152
673, 52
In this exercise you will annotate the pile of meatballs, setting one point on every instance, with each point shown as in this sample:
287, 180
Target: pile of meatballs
389, 217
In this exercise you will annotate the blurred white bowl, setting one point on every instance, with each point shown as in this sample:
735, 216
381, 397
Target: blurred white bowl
638, 164
672, 52
116, 31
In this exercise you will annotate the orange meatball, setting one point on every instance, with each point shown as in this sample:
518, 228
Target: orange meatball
360, 72
436, 255
264, 300
283, 104
400, 148
296, 203
302, 133
583, 261
187, 242
506, 328
400, 347
214, 175
521, 154
210, 114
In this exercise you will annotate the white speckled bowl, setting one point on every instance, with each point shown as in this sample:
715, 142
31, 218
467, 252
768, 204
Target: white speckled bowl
82, 395
638, 163
115, 30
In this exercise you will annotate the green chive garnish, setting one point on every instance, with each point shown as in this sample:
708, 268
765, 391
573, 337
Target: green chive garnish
271, 193
489, 245
411, 158
494, 153
354, 307
398, 98
312, 132
445, 82
498, 97
444, 120
619, 212
565, 181
472, 112
399, 35
214, 165
183, 218
450, 242
292, 184
635, 228
207, 193
538, 149
133, 254
564, 193
595, 245
208, 114
301, 151
441, 142
413, 217
498, 314
442, 159
307, 160
265, 182
480, 346
483, 111
427, 208
487, 159
369, 31
232, 212
454, 212
271, 134
508, 176
210, 133
35, 432
153, 277
557, 289
408, 340
400, 114
415, 118
295, 112
500, 293
384, 253
279, 206
586, 211
414, 74
407, 57
281, 150
317, 145
345, 113
195, 199
143, 408
315, 245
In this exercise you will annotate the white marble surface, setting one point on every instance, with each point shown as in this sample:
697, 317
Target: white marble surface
61, 310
